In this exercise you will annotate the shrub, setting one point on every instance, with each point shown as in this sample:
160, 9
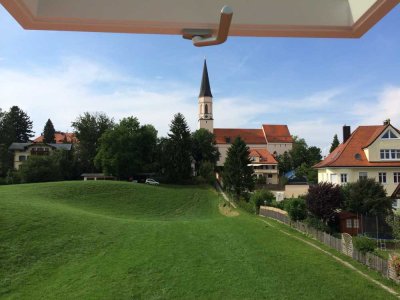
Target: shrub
323, 200
261, 197
296, 209
364, 244
207, 172
316, 223
247, 206
40, 169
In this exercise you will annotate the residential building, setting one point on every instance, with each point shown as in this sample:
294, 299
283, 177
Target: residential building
60, 138
22, 151
265, 143
368, 152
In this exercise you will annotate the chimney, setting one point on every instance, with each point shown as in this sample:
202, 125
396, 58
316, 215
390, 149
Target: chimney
346, 133
386, 122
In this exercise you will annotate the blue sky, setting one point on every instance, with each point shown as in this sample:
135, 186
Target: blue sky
313, 85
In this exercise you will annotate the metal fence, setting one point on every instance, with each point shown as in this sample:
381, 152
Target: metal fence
372, 261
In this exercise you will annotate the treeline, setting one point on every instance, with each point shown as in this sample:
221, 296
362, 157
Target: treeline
124, 149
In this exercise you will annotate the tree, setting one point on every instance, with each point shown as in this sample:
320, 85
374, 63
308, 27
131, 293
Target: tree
206, 171
323, 200
177, 160
238, 175
335, 143
88, 130
296, 209
366, 196
284, 163
262, 197
127, 149
393, 221
204, 148
49, 132
15, 126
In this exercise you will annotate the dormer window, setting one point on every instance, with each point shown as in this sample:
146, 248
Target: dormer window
390, 135
390, 154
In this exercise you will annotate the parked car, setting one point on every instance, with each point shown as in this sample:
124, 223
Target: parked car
152, 181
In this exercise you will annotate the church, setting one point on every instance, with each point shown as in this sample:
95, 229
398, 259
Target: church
265, 143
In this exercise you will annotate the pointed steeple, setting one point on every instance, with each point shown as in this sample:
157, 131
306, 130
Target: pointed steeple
205, 90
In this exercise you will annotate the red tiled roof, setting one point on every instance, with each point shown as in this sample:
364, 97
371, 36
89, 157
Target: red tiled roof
277, 134
345, 154
60, 138
249, 136
265, 156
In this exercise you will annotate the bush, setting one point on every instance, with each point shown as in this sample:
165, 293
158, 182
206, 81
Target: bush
296, 209
316, 223
206, 171
40, 169
247, 206
323, 200
262, 197
364, 244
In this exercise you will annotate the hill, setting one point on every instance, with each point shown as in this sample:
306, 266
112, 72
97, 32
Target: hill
113, 240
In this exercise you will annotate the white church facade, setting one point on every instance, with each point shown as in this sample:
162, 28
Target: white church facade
265, 143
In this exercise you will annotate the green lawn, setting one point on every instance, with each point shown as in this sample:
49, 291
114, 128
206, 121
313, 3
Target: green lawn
112, 240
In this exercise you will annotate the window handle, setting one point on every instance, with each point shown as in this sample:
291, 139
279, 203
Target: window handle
203, 37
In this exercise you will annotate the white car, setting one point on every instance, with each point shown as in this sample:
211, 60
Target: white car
152, 181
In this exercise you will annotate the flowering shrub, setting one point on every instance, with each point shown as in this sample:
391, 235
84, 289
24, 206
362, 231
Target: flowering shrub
396, 264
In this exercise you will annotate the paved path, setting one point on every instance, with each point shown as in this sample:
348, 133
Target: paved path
343, 262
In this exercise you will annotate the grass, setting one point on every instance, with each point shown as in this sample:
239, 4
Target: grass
112, 240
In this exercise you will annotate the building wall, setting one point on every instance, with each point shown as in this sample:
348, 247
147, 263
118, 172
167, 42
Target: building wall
26, 153
280, 148
223, 150
294, 191
373, 152
325, 175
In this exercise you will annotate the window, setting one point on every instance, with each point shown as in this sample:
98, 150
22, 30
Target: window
343, 178
269, 175
22, 158
362, 175
396, 177
355, 223
349, 223
382, 177
389, 135
206, 109
273, 167
390, 153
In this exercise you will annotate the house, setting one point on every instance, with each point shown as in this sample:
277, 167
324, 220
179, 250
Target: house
265, 143
60, 138
368, 152
22, 151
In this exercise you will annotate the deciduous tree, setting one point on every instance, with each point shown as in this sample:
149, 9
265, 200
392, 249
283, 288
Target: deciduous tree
204, 147
88, 130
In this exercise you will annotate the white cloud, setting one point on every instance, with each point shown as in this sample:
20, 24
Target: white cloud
386, 106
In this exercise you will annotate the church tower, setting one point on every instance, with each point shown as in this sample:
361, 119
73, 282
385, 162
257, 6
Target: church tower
206, 120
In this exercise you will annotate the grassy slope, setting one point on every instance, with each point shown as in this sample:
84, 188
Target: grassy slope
109, 240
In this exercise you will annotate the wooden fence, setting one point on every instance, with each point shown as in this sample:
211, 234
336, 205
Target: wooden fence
372, 261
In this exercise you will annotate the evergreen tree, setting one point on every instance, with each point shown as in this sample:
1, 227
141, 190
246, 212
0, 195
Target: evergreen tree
238, 175
49, 132
335, 143
15, 126
177, 151
204, 148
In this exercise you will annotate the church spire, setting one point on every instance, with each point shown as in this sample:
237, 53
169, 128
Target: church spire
205, 90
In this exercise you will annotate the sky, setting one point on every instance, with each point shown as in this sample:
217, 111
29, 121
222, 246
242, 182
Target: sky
315, 86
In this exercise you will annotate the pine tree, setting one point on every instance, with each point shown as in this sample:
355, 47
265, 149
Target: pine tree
49, 132
177, 151
238, 175
335, 143
17, 126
